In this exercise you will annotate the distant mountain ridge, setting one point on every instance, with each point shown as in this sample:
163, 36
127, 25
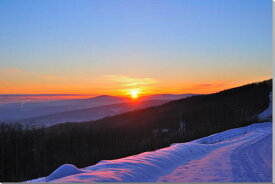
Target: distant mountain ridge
167, 96
17, 111
89, 114
60, 111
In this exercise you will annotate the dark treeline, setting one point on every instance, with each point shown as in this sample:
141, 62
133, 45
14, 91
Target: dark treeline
28, 153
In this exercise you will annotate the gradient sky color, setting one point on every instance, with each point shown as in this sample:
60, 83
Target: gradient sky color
112, 47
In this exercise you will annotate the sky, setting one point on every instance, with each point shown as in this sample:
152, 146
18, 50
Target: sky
147, 46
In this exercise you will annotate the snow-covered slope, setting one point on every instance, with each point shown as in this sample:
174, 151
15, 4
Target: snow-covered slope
266, 115
237, 155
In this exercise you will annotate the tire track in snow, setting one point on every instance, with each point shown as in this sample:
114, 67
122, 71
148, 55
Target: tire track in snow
242, 161
251, 162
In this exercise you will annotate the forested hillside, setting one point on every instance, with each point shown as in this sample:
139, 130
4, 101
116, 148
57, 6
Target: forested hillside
32, 153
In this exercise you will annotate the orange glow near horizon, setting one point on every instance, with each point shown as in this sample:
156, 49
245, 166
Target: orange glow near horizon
114, 85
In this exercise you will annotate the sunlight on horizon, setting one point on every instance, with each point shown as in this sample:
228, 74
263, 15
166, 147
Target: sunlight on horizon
134, 94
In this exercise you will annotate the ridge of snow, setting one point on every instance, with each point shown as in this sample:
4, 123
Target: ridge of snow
267, 113
232, 134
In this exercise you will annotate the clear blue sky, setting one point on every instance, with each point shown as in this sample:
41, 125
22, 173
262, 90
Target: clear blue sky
170, 41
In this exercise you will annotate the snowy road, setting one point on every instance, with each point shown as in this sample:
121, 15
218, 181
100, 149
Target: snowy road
245, 160
246, 169
236, 155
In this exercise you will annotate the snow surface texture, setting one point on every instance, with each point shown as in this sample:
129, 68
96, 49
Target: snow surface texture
237, 155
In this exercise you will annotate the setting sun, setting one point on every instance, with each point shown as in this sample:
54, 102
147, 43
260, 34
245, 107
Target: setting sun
134, 94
